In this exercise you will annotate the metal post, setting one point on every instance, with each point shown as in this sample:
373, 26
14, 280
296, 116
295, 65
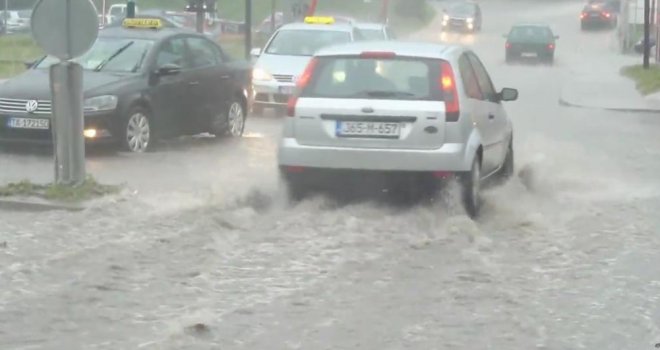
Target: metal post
273, 9
199, 10
103, 22
130, 9
312, 9
66, 89
248, 28
5, 14
647, 49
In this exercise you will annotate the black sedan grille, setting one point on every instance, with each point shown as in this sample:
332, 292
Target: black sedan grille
41, 107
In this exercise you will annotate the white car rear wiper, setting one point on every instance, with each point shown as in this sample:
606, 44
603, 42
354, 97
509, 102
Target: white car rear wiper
386, 93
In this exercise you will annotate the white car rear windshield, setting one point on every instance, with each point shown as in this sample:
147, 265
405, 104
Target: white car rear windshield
305, 42
367, 78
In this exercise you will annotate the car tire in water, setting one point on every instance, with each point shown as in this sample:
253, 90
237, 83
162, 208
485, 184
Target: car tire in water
508, 165
231, 121
137, 133
471, 188
294, 188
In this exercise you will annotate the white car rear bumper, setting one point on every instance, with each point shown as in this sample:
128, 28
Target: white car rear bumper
450, 157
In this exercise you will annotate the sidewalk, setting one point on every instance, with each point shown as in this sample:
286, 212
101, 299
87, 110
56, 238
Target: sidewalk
610, 91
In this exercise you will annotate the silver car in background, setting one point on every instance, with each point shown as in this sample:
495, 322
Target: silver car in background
426, 111
285, 56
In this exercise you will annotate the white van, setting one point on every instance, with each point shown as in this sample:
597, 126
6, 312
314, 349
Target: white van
117, 12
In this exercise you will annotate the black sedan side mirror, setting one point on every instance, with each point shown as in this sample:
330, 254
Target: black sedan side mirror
168, 69
508, 94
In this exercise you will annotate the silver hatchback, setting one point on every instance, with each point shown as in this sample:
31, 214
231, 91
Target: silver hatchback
390, 107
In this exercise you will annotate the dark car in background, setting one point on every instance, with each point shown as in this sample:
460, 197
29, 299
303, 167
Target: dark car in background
598, 15
142, 81
462, 16
530, 41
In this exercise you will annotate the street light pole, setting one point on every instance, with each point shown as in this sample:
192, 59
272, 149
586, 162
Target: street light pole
248, 28
647, 32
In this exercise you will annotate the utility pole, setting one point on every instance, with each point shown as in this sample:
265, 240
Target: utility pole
312, 9
647, 32
5, 14
273, 10
200, 8
130, 9
248, 28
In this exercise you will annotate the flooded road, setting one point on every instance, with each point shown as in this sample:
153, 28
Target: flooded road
206, 256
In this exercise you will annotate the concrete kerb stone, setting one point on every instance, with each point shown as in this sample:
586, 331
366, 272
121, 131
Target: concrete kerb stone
32, 204
564, 102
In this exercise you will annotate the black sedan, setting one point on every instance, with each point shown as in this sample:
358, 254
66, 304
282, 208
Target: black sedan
599, 15
142, 82
530, 41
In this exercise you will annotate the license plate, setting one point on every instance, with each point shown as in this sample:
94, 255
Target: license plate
368, 129
286, 90
28, 123
595, 15
529, 54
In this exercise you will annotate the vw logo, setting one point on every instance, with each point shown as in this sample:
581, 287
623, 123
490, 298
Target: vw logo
31, 106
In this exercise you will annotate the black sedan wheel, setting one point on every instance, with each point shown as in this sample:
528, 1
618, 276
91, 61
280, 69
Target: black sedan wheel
230, 122
137, 131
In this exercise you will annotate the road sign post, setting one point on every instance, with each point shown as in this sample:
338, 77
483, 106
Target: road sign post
66, 88
66, 29
248, 28
130, 9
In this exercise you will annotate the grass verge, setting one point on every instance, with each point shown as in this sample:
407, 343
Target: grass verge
89, 189
647, 80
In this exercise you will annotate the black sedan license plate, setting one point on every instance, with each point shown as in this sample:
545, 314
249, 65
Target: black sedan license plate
368, 129
28, 123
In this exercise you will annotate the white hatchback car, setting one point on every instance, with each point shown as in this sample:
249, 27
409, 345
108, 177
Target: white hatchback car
422, 109
287, 53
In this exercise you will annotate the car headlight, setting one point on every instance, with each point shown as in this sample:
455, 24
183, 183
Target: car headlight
100, 103
470, 20
445, 18
260, 74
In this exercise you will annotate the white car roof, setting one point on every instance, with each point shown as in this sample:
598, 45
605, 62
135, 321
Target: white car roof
340, 27
401, 48
363, 25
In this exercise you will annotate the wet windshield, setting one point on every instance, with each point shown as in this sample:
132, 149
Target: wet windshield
305, 42
461, 10
129, 55
372, 34
530, 33
402, 79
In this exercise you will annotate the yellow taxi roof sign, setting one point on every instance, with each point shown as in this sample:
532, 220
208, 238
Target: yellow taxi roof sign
150, 23
319, 20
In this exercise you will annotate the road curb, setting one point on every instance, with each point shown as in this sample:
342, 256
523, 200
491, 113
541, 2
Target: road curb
565, 103
36, 205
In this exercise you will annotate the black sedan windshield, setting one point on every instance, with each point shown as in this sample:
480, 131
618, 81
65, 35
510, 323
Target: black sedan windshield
111, 54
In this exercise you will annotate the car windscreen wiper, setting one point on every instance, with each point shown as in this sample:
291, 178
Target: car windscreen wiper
111, 57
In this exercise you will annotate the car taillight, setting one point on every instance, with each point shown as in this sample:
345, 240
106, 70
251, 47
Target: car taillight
507, 45
551, 46
450, 92
300, 85
607, 14
583, 15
